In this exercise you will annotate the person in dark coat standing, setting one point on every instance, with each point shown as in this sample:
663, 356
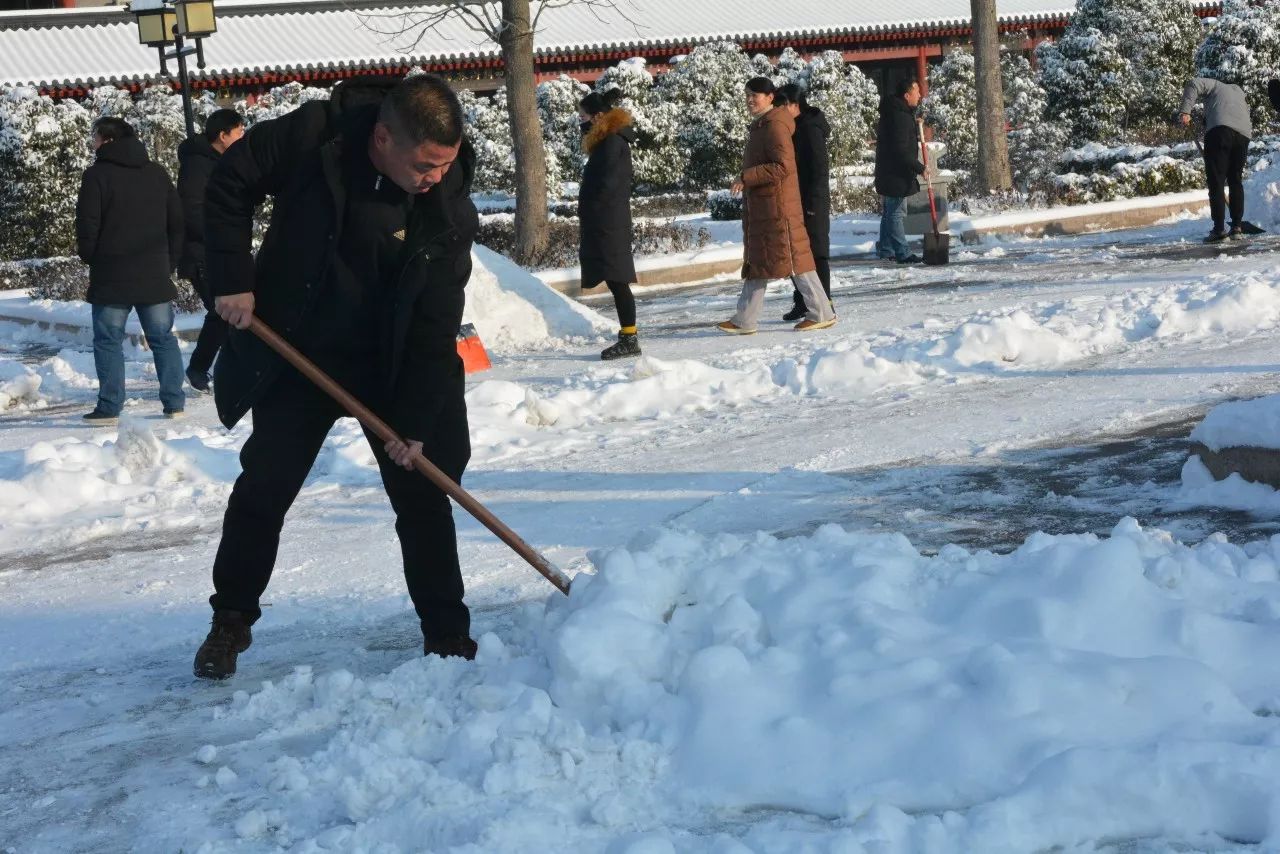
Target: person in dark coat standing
774, 242
897, 168
363, 270
813, 168
129, 232
196, 158
604, 211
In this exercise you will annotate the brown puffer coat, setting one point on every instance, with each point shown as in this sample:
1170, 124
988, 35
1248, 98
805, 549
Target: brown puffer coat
775, 244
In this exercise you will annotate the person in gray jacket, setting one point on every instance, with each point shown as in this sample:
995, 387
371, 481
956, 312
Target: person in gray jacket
1226, 149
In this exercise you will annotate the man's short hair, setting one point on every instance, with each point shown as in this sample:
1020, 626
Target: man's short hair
422, 109
761, 86
112, 128
903, 86
221, 121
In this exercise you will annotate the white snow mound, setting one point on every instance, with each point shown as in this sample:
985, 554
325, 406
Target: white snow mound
514, 310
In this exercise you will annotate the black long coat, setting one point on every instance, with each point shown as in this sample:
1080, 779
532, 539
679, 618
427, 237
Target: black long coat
196, 160
604, 202
296, 159
813, 168
128, 227
897, 150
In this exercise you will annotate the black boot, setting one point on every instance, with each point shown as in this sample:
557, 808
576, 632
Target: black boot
229, 636
798, 311
459, 646
628, 345
1217, 235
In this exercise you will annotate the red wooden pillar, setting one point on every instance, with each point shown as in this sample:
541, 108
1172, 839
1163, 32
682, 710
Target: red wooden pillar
922, 69
67, 4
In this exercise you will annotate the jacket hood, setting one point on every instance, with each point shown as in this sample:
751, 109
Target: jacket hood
815, 118
616, 121
196, 146
130, 153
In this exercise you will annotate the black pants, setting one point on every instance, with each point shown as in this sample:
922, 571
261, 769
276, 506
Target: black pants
1225, 153
289, 427
624, 301
212, 334
824, 276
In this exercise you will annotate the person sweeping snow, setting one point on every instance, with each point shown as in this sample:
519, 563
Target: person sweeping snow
1226, 150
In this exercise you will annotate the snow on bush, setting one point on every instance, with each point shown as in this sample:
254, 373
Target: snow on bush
1088, 84
557, 102
848, 98
655, 160
1243, 47
959, 702
44, 149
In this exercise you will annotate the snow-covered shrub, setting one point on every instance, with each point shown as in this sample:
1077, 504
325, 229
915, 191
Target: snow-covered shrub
724, 206
951, 109
706, 89
1158, 38
656, 161
850, 196
558, 113
44, 149
280, 100
1149, 177
1087, 84
848, 98
63, 279
489, 129
1243, 47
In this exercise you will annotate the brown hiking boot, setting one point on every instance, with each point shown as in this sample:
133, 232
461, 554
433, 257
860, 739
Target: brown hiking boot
458, 646
229, 636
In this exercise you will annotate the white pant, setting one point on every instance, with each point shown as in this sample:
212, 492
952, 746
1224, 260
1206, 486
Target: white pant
751, 300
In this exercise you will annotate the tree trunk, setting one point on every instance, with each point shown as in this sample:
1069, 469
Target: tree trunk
516, 41
993, 148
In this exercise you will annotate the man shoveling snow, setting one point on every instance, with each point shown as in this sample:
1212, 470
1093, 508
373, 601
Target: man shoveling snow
1226, 150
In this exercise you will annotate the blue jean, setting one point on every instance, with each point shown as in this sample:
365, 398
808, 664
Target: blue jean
108, 354
893, 232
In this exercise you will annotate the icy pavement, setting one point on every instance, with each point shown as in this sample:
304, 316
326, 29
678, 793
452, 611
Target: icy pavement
821, 614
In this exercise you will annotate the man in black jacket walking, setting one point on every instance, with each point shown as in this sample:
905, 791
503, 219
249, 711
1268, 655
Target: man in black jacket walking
362, 269
129, 231
897, 167
196, 158
813, 169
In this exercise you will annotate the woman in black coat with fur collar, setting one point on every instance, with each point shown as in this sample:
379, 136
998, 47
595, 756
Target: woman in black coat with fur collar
604, 211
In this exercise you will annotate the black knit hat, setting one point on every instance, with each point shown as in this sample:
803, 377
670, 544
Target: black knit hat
596, 103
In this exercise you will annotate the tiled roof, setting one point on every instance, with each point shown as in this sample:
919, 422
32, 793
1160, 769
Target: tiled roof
94, 46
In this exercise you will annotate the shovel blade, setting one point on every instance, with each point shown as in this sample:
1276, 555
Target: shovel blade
937, 248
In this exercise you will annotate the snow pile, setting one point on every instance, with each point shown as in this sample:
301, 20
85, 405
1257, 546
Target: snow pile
1077, 689
1262, 194
1241, 423
24, 387
70, 490
1200, 488
513, 310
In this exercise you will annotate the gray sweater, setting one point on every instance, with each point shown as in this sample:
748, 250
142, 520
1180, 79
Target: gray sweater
1224, 104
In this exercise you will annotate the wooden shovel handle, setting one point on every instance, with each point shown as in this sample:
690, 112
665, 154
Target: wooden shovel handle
384, 432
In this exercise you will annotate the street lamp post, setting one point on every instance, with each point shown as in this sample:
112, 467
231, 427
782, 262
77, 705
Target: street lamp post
162, 24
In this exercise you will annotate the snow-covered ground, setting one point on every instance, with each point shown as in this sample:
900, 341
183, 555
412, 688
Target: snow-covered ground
767, 646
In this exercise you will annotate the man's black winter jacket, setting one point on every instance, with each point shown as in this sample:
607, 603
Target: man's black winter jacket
297, 160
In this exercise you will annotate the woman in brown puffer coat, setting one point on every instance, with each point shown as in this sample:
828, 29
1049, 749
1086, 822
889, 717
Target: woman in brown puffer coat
775, 244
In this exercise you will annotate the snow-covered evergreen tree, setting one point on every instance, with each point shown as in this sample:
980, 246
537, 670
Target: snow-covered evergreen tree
1243, 47
951, 109
558, 112
706, 89
1088, 84
1035, 139
156, 116
849, 99
656, 160
44, 149
489, 129
281, 100
1158, 38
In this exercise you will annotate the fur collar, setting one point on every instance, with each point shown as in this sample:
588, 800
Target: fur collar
609, 123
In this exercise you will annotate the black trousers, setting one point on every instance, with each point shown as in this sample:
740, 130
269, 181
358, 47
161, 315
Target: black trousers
1225, 153
212, 334
624, 301
289, 428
